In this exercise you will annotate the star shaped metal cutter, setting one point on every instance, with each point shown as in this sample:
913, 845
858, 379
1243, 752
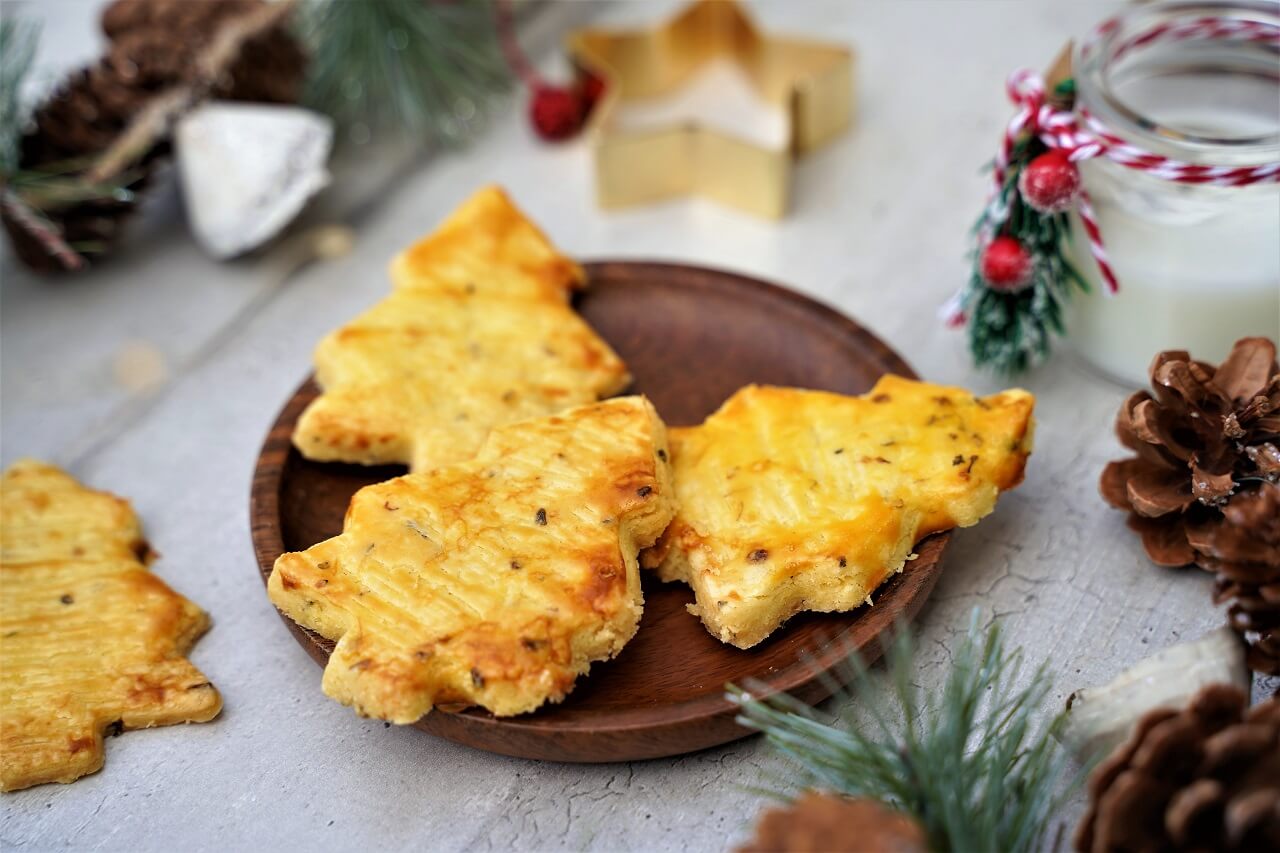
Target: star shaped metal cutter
810, 80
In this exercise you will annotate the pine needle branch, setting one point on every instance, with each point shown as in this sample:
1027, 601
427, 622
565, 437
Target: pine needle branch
975, 769
18, 38
408, 67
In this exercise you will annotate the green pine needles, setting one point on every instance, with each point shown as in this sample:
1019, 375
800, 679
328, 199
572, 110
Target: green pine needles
973, 768
17, 48
409, 67
1011, 332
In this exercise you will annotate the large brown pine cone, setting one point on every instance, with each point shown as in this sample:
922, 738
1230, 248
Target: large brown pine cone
827, 823
1202, 488
1204, 778
1202, 434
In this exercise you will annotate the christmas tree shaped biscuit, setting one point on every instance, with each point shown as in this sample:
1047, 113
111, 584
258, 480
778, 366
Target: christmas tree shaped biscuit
495, 581
796, 500
478, 332
91, 642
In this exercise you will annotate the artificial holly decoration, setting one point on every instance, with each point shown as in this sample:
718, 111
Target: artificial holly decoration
1202, 488
1050, 183
1006, 265
1012, 315
1206, 777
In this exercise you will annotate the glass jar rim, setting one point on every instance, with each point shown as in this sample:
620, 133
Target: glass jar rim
1091, 59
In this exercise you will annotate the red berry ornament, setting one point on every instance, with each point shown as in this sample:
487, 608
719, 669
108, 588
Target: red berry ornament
1050, 183
1006, 265
557, 112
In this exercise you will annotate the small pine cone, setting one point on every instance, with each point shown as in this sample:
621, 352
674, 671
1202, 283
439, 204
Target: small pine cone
827, 823
1204, 778
148, 60
80, 118
184, 20
270, 69
159, 38
1197, 435
1243, 549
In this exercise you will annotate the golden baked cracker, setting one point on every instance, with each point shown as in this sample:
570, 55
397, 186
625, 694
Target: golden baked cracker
495, 581
90, 640
477, 333
797, 500
489, 246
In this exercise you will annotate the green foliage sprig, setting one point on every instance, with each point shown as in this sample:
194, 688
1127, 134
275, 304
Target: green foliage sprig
18, 39
409, 67
973, 768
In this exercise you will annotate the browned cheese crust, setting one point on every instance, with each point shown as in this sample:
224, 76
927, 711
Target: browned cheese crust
90, 640
495, 581
796, 500
477, 332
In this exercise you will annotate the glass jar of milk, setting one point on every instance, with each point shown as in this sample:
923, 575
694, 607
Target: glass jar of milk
1198, 266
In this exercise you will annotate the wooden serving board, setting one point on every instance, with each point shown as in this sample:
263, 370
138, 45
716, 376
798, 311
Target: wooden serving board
691, 337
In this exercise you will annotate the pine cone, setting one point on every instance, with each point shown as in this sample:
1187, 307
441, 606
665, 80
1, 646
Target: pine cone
1243, 548
184, 19
270, 69
1204, 778
827, 823
161, 36
1200, 433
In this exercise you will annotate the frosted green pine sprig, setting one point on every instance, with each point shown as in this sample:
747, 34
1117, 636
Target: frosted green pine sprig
975, 767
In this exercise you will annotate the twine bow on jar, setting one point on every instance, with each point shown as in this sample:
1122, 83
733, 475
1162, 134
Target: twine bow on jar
1063, 130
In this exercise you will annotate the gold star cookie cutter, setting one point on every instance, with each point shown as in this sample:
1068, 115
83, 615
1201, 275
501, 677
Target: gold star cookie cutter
810, 80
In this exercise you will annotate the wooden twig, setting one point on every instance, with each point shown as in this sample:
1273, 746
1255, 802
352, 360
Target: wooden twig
41, 229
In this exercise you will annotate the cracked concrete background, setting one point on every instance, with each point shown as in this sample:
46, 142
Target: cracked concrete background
878, 229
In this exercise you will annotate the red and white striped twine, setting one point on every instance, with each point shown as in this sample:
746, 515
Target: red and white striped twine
1062, 129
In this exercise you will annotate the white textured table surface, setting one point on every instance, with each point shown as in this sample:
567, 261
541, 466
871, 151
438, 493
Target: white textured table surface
878, 229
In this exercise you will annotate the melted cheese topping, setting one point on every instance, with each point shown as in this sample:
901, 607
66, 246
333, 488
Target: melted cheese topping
476, 334
797, 500
495, 581
89, 638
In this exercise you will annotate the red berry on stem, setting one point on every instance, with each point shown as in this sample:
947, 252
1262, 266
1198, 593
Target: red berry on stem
557, 112
1006, 265
1050, 183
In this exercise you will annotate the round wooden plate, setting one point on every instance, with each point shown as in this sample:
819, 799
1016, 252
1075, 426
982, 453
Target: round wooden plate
691, 337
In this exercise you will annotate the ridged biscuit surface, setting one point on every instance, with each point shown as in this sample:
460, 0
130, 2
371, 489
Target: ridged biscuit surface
90, 640
796, 500
477, 333
495, 581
